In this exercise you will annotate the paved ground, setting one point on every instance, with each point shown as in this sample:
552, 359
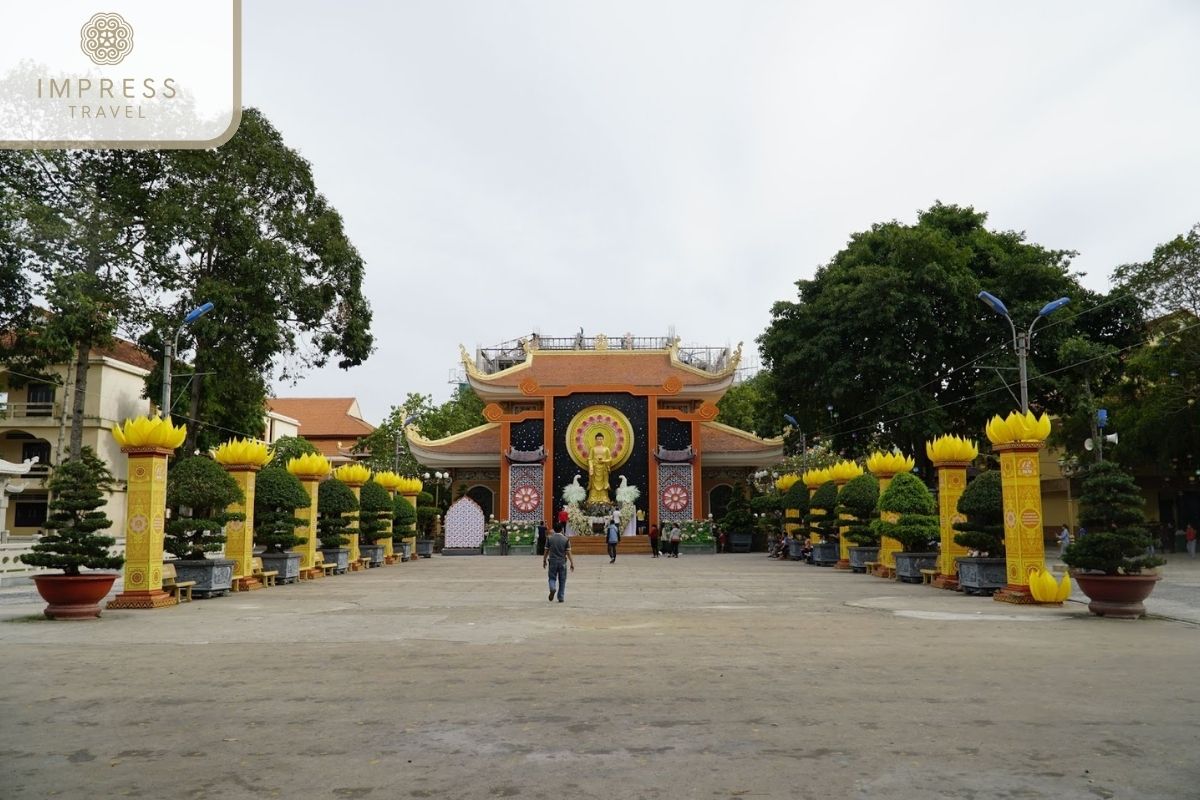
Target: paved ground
704, 677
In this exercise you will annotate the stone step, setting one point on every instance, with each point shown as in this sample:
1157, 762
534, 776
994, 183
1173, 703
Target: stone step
597, 546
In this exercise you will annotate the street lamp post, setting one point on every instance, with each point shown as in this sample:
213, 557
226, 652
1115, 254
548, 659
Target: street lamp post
1021, 339
169, 351
1069, 467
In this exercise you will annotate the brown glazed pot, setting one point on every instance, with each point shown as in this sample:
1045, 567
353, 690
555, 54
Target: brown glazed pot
74, 596
1118, 596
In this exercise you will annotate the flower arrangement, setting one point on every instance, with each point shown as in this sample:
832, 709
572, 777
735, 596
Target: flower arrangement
519, 533
697, 531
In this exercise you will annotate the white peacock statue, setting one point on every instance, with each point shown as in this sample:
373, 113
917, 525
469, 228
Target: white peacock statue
573, 493
626, 494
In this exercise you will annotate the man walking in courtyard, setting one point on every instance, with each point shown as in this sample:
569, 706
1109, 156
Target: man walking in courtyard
556, 558
613, 533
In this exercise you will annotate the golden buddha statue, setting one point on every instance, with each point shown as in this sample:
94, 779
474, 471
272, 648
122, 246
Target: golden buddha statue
599, 460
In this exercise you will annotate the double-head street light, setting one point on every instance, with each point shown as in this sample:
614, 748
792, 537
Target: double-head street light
1021, 339
169, 351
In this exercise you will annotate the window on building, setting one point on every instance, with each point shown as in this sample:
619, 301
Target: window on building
37, 449
30, 512
40, 400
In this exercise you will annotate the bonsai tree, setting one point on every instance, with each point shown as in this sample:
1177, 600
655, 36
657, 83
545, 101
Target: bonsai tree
1111, 509
822, 519
77, 492
768, 508
857, 502
738, 517
198, 493
796, 498
404, 517
277, 495
917, 524
336, 506
288, 447
374, 511
982, 504
426, 512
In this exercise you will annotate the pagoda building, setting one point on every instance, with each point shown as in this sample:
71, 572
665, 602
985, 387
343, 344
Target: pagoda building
653, 402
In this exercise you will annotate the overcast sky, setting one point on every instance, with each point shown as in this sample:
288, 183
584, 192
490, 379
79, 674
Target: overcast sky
626, 166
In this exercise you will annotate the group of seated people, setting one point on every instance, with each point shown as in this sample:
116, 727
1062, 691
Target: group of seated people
781, 549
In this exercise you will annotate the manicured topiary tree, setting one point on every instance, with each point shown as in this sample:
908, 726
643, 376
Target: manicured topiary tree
738, 517
277, 495
77, 492
797, 498
375, 509
917, 525
335, 505
983, 506
1110, 507
288, 447
857, 502
426, 513
825, 500
198, 493
404, 517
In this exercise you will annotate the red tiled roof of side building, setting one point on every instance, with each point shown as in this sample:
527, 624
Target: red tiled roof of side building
323, 416
126, 352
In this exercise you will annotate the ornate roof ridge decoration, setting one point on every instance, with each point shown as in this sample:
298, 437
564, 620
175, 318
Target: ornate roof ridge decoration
774, 441
413, 434
688, 454
526, 456
602, 345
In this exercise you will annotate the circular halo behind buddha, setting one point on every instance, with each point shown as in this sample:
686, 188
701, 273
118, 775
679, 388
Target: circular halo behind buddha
607, 421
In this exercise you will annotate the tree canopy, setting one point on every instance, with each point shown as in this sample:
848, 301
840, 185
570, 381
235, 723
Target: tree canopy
891, 335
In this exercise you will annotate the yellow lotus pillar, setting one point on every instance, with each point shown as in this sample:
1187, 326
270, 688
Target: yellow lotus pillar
242, 459
409, 489
354, 476
814, 479
791, 516
389, 481
148, 442
885, 466
1017, 439
842, 473
950, 456
310, 469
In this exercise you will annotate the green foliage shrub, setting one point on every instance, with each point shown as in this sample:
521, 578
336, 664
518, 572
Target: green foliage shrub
857, 502
375, 511
824, 500
1110, 507
277, 495
198, 492
77, 489
404, 518
336, 508
983, 506
917, 525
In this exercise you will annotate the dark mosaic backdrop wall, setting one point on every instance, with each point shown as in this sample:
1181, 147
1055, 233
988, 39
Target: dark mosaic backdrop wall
527, 435
634, 470
674, 434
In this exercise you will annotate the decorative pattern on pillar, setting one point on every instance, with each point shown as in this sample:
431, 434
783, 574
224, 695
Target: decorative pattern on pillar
842, 473
525, 501
242, 459
148, 442
409, 491
391, 482
354, 476
950, 456
1017, 439
676, 496
310, 469
885, 466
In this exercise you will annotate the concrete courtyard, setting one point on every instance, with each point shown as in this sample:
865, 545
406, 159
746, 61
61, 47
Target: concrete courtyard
702, 677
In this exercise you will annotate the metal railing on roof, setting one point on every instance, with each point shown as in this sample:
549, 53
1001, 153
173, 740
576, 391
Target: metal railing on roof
508, 354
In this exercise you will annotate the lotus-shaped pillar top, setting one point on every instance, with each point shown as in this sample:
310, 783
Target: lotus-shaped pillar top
157, 432
888, 464
1018, 427
815, 478
352, 474
785, 482
409, 486
309, 465
242, 453
389, 480
951, 450
843, 471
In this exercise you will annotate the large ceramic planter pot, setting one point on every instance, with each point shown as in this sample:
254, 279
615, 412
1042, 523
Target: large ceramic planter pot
909, 565
697, 548
825, 554
286, 564
372, 552
339, 556
1118, 596
74, 596
405, 550
425, 548
520, 549
983, 576
741, 542
213, 576
795, 549
860, 555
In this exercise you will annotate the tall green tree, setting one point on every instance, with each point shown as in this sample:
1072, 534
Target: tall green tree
250, 233
387, 445
76, 232
891, 335
751, 406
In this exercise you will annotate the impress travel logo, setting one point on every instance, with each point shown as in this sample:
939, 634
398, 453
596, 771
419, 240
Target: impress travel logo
141, 74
